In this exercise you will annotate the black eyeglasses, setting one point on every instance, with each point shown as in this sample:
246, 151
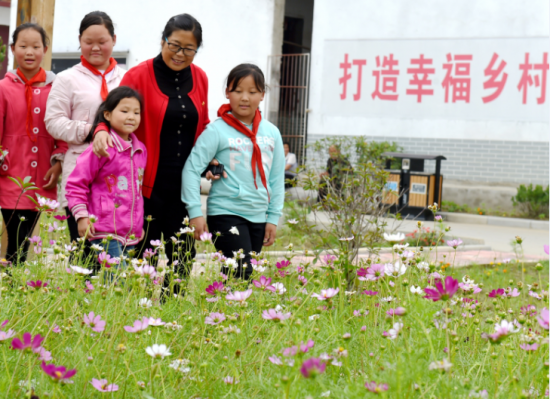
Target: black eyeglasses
173, 47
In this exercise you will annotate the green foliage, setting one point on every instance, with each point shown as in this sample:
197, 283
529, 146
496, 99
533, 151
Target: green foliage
533, 201
450, 206
2, 50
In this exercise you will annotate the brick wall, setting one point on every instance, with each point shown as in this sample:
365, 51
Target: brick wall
519, 162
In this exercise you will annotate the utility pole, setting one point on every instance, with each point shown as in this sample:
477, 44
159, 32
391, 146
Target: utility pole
40, 12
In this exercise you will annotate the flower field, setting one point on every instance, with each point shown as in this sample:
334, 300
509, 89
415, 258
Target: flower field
406, 329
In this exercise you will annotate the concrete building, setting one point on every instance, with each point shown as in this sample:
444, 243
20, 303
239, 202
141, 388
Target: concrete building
354, 71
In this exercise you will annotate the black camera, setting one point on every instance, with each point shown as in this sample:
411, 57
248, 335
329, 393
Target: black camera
217, 170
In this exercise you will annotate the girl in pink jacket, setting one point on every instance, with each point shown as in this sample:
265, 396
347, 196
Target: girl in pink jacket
27, 149
110, 188
78, 92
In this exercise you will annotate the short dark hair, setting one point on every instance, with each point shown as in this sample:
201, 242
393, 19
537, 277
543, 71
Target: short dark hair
242, 71
30, 25
97, 18
184, 22
110, 103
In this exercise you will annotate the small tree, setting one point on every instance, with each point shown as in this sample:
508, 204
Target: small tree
350, 208
2, 50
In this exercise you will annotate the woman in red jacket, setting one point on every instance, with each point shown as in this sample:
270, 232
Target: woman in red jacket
174, 114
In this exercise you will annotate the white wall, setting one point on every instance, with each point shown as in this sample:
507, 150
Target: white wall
233, 32
422, 19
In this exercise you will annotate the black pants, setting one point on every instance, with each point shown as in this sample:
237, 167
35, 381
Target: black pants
250, 238
168, 212
17, 231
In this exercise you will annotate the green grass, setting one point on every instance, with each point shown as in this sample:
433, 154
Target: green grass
504, 370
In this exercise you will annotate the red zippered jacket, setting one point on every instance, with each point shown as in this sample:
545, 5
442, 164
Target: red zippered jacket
142, 78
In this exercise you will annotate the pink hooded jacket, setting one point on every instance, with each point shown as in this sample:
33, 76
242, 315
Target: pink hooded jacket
110, 188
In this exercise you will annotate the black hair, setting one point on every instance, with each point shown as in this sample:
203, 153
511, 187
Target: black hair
183, 22
97, 18
110, 103
242, 71
30, 25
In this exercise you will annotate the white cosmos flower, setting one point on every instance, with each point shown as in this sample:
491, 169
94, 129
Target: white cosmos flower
158, 351
395, 269
394, 332
423, 266
443, 365
394, 237
292, 221
234, 230
81, 270
386, 299
279, 288
415, 289
145, 303
313, 317
180, 365
232, 263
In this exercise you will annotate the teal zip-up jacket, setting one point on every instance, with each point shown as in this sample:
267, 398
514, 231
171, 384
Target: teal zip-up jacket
236, 194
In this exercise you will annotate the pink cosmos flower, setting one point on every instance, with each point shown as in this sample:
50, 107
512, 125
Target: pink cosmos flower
103, 385
105, 260
230, 380
291, 351
29, 342
328, 259
370, 293
529, 348
60, 217
533, 294
326, 294
56, 329
146, 271
307, 346
272, 314
275, 360
206, 237
89, 287
547, 249
214, 318
47, 204
57, 373
149, 253
439, 218
396, 312
282, 264
263, 283
223, 276
94, 322
44, 355
543, 318
214, 299
37, 284
311, 367
442, 293
4, 335
497, 292
155, 322
373, 273
214, 288
502, 330
277, 288
302, 280
512, 293
156, 243
454, 243
375, 387
469, 287
529, 310
4, 324
139, 325
239, 296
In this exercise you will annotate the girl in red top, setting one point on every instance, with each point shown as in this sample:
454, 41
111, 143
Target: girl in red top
175, 113
27, 148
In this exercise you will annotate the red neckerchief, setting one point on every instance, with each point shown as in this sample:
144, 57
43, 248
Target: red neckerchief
256, 161
104, 89
40, 77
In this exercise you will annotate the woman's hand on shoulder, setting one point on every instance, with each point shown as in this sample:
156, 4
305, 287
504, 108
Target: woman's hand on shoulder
270, 234
199, 223
102, 141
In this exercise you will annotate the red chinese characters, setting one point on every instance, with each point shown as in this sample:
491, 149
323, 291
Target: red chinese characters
539, 79
492, 82
346, 65
388, 76
460, 82
420, 78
